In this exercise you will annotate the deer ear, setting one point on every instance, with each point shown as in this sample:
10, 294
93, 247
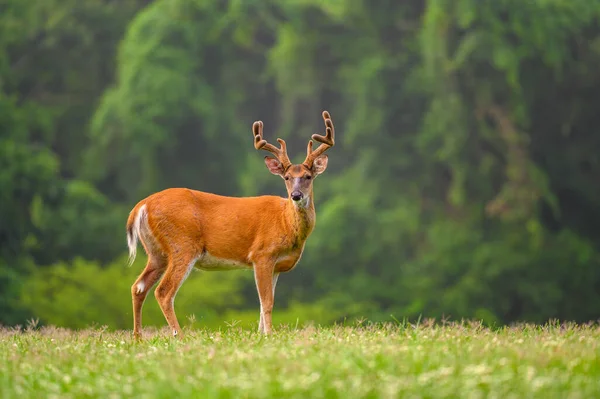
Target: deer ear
274, 166
320, 164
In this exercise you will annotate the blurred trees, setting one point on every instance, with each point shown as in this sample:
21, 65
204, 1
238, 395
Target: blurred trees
463, 184
56, 58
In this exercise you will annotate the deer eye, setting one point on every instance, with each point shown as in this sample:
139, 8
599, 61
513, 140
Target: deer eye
287, 178
308, 177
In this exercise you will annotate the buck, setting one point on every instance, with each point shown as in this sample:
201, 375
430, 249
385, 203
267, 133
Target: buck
181, 228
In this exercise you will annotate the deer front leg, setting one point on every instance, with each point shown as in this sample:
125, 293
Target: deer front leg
264, 278
261, 321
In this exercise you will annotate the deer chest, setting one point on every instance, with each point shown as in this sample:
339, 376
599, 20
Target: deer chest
287, 261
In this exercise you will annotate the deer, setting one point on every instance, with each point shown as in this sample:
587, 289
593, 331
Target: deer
181, 229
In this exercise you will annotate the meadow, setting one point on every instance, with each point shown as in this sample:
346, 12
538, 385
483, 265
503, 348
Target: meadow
402, 360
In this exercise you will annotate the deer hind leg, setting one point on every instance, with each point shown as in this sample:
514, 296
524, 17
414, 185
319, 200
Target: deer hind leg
176, 273
139, 290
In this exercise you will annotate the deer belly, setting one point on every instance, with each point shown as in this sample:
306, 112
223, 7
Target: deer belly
211, 263
286, 263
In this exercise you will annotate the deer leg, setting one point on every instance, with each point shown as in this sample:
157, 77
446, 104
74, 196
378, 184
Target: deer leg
261, 320
177, 271
264, 278
139, 290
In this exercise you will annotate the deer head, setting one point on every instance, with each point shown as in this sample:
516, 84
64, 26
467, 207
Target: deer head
298, 178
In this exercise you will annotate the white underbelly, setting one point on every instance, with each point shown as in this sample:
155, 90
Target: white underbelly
210, 263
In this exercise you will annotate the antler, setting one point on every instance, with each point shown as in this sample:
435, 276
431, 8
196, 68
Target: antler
260, 143
326, 141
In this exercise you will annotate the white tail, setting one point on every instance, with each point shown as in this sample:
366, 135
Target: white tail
133, 233
182, 228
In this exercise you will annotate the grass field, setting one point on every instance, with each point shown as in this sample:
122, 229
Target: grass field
388, 361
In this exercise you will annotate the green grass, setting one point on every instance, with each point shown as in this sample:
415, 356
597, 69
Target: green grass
388, 361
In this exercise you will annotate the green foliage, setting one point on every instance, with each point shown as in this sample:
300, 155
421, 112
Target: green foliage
92, 223
55, 58
11, 284
463, 183
175, 52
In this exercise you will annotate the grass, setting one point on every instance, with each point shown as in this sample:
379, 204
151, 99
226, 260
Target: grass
388, 361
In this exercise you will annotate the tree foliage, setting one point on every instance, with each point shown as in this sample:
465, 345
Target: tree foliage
463, 183
55, 60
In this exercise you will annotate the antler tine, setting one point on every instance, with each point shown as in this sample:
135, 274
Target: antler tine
261, 143
326, 141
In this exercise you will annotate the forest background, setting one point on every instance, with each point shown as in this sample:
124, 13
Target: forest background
464, 182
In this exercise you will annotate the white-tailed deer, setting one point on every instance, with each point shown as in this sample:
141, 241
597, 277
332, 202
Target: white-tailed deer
182, 228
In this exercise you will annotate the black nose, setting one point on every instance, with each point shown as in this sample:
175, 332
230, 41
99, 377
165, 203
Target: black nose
296, 195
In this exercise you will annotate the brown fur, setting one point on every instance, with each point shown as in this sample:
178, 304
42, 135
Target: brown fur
183, 227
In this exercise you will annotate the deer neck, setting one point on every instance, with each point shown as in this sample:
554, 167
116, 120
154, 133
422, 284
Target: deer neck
301, 220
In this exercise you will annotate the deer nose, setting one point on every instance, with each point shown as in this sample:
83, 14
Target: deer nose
296, 195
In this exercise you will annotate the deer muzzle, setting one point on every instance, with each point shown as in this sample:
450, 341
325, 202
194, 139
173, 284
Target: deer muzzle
296, 195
